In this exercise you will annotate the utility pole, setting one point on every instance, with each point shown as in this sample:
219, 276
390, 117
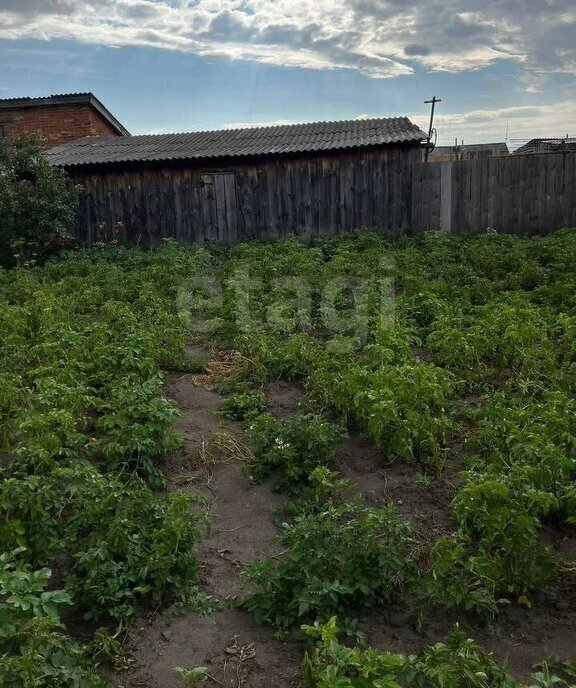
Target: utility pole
430, 128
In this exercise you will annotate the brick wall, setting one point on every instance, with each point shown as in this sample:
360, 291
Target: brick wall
55, 124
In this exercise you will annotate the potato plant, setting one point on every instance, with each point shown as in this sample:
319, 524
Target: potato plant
244, 405
455, 663
85, 424
494, 314
439, 349
35, 650
293, 447
123, 544
402, 407
335, 559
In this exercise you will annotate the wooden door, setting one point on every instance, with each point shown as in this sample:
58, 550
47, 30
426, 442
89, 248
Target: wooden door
221, 211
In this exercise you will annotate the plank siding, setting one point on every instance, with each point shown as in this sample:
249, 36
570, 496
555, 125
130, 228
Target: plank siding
388, 190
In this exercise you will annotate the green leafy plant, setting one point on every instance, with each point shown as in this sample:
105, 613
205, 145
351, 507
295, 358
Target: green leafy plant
402, 408
455, 663
33, 647
294, 447
192, 677
124, 543
107, 648
137, 420
335, 559
244, 405
468, 357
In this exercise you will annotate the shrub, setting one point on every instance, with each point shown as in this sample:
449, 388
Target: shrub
37, 202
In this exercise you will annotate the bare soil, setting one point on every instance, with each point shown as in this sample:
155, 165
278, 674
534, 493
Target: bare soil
239, 653
229, 643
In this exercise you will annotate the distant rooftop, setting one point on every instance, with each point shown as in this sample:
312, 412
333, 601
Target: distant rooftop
246, 142
65, 99
471, 150
547, 145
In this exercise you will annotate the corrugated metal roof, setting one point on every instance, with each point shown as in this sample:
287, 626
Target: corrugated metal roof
272, 140
65, 99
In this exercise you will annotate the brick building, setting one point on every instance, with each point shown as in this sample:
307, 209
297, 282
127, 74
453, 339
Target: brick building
58, 119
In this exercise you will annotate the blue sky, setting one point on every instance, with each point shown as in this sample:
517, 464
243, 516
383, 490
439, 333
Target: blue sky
181, 65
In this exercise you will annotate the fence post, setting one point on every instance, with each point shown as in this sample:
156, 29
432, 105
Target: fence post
446, 196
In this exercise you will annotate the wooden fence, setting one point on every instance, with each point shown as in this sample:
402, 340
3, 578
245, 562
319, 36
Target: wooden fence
385, 190
516, 194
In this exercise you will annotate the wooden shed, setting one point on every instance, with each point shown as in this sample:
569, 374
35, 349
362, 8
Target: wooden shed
313, 179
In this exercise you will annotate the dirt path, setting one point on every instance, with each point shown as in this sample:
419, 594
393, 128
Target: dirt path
235, 649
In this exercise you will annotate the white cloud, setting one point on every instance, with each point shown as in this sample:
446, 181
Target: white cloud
488, 125
250, 125
379, 38
524, 122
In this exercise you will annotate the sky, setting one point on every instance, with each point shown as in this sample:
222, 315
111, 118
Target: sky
506, 67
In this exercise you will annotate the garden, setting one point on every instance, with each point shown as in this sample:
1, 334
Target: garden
346, 462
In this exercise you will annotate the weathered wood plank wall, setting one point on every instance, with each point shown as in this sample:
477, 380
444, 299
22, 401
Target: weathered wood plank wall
518, 194
268, 198
388, 190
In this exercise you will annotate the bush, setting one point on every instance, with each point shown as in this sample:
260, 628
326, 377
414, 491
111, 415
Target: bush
37, 203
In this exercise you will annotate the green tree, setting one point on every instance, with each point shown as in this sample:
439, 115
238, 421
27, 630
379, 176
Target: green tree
37, 202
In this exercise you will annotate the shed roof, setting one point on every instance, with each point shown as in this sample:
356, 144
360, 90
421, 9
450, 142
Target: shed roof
65, 99
246, 142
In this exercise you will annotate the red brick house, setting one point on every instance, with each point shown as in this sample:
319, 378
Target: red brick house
58, 119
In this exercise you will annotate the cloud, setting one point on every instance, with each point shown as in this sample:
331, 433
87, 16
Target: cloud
524, 122
477, 126
378, 38
416, 49
36, 6
535, 82
267, 123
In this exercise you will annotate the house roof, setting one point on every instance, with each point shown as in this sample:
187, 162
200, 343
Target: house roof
65, 99
224, 143
499, 148
547, 144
